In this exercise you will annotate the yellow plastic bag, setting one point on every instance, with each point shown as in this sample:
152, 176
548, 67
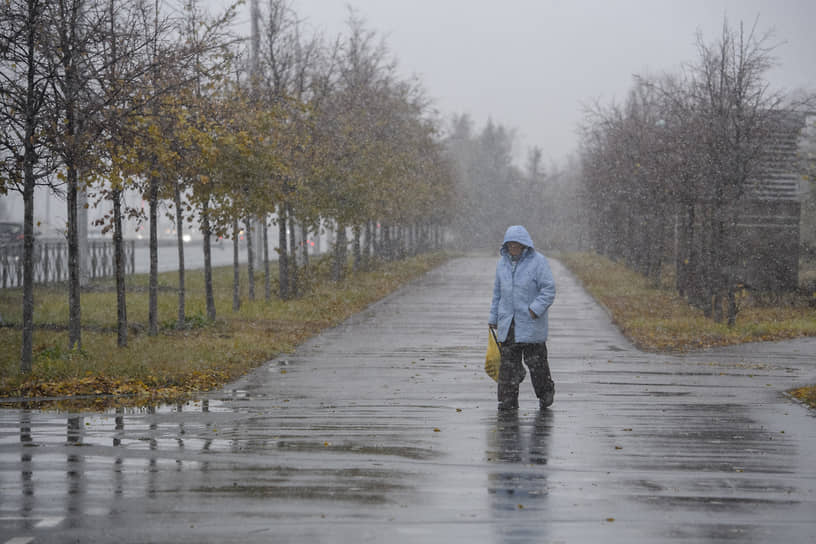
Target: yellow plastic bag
493, 357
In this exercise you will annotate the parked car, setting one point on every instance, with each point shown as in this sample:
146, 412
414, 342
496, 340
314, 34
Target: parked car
10, 233
11, 241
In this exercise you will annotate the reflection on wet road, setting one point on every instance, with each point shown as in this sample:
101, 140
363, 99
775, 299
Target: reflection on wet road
517, 485
385, 429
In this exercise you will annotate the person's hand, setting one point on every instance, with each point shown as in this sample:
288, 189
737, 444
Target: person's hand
532, 314
492, 326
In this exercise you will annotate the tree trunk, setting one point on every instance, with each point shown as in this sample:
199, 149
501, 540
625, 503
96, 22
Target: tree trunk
29, 159
732, 306
74, 311
706, 262
69, 86
180, 242
722, 267
267, 277
716, 307
153, 285
356, 251
376, 241
683, 263
718, 263
400, 230
304, 234
206, 230
283, 255
250, 258
367, 246
656, 248
389, 242
293, 264
697, 251
236, 269
119, 270
26, 353
339, 268
385, 242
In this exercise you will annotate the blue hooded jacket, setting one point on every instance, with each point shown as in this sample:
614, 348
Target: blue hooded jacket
529, 287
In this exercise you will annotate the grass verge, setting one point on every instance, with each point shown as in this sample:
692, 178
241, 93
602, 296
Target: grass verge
656, 319
179, 361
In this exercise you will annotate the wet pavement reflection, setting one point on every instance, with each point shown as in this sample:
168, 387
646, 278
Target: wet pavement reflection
517, 485
385, 429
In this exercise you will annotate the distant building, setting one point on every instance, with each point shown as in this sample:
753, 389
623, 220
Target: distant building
766, 232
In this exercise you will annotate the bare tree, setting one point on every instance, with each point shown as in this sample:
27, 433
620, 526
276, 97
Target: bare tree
120, 80
285, 65
740, 117
76, 29
24, 79
693, 148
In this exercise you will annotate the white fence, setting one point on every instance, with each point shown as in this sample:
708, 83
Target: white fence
51, 261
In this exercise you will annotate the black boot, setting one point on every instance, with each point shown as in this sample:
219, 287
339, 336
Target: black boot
508, 397
547, 395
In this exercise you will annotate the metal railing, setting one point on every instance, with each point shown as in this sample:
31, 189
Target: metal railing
51, 261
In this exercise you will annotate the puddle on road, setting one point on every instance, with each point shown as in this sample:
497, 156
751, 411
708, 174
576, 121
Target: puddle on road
210, 426
518, 486
267, 452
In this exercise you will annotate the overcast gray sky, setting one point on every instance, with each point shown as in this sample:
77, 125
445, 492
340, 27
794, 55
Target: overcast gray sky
532, 64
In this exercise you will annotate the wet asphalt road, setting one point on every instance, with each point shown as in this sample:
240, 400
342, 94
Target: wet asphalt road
385, 429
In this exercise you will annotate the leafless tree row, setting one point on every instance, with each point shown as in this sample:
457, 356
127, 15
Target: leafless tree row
669, 173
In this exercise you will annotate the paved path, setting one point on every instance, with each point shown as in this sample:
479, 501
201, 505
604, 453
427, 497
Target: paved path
384, 429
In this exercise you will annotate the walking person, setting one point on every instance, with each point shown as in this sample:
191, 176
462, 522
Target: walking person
523, 292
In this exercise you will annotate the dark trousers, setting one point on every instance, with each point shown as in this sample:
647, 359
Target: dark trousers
511, 371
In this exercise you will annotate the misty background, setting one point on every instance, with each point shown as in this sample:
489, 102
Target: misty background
533, 65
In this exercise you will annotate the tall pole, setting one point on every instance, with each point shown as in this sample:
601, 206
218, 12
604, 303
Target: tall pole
255, 17
255, 75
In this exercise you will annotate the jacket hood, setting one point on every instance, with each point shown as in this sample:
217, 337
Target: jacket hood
516, 233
